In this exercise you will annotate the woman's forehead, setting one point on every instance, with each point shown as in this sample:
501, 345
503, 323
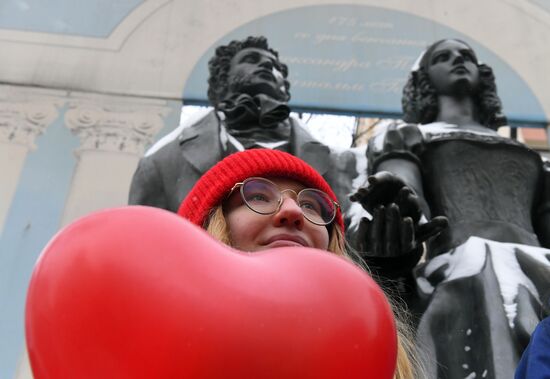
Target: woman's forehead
286, 183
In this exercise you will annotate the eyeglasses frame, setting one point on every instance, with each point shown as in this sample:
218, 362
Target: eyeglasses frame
280, 202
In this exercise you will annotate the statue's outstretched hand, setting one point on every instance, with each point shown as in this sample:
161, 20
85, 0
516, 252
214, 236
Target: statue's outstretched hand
397, 230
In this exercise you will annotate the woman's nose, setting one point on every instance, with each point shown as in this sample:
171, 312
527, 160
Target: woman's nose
289, 214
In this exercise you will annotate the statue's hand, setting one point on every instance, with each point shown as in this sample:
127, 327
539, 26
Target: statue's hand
390, 234
392, 240
385, 188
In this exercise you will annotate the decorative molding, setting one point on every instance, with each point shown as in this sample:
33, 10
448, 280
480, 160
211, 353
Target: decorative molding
25, 112
115, 124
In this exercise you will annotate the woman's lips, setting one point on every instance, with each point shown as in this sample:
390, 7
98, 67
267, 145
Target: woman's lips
284, 243
283, 240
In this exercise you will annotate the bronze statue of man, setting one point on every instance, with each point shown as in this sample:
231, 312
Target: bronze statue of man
249, 91
486, 281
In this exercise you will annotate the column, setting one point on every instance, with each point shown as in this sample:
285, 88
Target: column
24, 114
113, 133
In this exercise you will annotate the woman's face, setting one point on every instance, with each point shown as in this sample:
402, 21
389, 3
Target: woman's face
251, 231
452, 69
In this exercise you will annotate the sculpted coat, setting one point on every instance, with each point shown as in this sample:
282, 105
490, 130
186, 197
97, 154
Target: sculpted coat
164, 178
249, 91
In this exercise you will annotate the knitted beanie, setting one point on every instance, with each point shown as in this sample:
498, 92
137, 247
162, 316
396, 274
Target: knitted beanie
212, 188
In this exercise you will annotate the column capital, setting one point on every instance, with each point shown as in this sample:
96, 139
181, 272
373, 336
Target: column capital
115, 123
25, 112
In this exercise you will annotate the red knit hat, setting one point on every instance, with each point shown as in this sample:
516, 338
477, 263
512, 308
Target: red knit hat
216, 183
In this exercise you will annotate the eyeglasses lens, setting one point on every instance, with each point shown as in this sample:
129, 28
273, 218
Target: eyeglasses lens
261, 196
317, 206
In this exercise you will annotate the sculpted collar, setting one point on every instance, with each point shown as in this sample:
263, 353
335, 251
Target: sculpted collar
242, 111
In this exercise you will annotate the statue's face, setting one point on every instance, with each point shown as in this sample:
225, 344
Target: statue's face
255, 71
452, 69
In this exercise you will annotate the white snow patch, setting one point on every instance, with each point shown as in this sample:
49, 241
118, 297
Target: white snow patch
355, 212
195, 115
469, 258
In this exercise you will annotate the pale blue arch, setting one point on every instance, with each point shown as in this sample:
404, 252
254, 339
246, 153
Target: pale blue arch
86, 18
542, 3
355, 59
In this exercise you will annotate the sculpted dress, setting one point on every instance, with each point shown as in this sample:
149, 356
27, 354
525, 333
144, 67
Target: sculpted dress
486, 280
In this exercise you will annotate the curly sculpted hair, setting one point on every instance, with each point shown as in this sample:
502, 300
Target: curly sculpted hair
419, 99
220, 63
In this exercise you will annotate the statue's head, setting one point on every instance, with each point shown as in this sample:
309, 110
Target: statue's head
248, 66
450, 67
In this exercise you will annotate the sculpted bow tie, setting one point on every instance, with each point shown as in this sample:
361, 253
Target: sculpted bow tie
243, 111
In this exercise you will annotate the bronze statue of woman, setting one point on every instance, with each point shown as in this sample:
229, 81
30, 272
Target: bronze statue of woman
485, 283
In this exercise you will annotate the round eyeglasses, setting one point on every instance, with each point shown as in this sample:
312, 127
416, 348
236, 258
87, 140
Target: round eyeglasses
264, 197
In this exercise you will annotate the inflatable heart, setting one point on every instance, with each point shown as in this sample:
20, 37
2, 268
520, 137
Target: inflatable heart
139, 292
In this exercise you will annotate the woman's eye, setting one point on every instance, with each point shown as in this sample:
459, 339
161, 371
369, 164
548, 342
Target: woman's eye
259, 197
309, 206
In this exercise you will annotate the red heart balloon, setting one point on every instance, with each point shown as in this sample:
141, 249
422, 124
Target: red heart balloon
139, 292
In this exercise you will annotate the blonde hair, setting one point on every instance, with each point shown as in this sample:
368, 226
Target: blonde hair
217, 227
408, 364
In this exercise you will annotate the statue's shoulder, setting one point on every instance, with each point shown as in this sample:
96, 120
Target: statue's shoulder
202, 124
391, 134
395, 140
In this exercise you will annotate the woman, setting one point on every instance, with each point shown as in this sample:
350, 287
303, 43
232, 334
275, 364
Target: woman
487, 279
535, 362
261, 199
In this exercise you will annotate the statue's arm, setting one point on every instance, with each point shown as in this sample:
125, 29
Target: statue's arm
542, 212
393, 238
392, 241
147, 187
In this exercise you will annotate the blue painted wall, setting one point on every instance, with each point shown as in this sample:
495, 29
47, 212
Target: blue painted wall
542, 3
88, 18
34, 217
